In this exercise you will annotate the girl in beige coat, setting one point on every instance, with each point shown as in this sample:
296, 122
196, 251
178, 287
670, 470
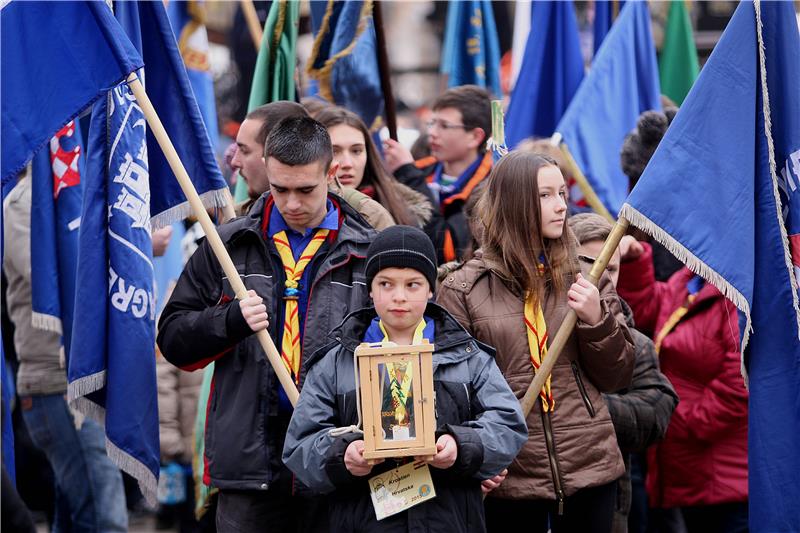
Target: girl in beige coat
514, 297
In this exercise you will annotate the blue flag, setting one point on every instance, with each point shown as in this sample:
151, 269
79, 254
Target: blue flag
720, 192
169, 266
8, 393
167, 85
344, 61
621, 84
111, 369
471, 53
57, 58
56, 196
552, 70
605, 11
188, 22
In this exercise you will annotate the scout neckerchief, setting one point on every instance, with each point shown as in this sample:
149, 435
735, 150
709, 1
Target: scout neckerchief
290, 345
400, 389
468, 180
536, 330
693, 286
459, 191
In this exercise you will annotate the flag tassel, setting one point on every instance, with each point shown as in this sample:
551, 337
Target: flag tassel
212, 236
211, 200
46, 322
787, 254
697, 266
125, 461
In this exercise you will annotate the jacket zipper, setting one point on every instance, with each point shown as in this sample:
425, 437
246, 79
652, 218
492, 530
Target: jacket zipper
314, 283
582, 388
551, 454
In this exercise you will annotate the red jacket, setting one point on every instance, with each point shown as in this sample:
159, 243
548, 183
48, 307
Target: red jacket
703, 458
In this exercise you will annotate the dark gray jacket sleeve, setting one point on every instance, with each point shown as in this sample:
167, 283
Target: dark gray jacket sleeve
308, 444
497, 427
642, 413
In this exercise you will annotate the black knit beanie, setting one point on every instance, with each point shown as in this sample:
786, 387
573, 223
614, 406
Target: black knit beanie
402, 247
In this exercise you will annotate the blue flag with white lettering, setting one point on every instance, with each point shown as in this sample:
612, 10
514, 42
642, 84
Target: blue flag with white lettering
111, 369
167, 84
621, 84
721, 192
552, 71
344, 61
112, 361
57, 58
56, 196
471, 53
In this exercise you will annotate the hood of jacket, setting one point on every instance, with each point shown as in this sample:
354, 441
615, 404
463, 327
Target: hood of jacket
450, 335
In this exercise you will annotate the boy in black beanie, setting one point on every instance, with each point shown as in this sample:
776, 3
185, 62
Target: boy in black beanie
479, 425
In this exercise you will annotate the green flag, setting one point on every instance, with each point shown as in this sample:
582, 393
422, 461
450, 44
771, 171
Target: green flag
273, 79
677, 64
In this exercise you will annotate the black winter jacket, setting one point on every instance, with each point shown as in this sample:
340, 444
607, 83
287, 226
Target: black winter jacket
473, 404
640, 413
202, 322
449, 222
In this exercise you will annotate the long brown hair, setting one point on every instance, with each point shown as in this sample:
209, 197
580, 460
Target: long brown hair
375, 174
512, 237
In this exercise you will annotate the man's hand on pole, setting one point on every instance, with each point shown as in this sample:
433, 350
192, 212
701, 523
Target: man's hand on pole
254, 311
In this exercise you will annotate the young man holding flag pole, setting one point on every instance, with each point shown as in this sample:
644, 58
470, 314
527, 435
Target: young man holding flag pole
210, 230
299, 250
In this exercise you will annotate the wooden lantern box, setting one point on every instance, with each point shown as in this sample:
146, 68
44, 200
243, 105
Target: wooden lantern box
396, 387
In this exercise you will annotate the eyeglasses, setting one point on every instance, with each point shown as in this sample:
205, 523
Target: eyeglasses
445, 126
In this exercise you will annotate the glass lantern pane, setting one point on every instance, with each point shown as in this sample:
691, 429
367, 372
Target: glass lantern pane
398, 422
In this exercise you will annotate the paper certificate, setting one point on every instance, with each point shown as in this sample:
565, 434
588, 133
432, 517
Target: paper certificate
400, 489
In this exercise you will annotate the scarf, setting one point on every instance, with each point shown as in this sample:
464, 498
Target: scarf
290, 344
536, 329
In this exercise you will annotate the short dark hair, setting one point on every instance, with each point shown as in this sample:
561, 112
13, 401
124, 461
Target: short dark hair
300, 141
272, 113
475, 106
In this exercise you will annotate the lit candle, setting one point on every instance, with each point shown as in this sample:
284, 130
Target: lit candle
400, 433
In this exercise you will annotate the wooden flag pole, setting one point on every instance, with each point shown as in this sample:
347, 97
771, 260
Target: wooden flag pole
570, 320
497, 140
214, 240
385, 71
588, 193
253, 24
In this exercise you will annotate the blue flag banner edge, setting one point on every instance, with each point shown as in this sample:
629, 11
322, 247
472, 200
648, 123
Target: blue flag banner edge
698, 266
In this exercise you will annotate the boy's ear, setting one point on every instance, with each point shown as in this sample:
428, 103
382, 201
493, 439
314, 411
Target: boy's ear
430, 294
478, 136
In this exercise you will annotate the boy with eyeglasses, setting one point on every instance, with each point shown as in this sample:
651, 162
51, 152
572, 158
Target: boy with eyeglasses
458, 131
